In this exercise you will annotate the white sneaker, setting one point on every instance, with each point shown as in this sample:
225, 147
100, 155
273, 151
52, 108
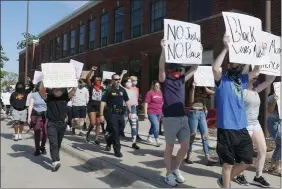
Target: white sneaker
179, 178
20, 137
158, 142
170, 180
16, 137
149, 140
68, 128
56, 165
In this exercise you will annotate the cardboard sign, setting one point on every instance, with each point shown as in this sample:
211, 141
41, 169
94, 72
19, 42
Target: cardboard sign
277, 86
107, 75
37, 77
204, 76
84, 74
6, 98
245, 35
273, 54
183, 42
59, 75
78, 67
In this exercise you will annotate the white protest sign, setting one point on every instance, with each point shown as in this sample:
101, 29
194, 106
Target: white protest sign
107, 75
276, 86
85, 73
78, 67
183, 42
6, 98
204, 76
37, 77
59, 75
273, 54
245, 38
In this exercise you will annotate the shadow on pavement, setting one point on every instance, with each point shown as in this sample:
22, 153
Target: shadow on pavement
144, 152
9, 136
27, 152
122, 175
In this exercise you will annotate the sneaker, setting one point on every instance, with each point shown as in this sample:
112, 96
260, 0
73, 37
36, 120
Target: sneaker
68, 128
149, 140
97, 142
87, 138
108, 148
80, 134
158, 142
56, 165
178, 177
118, 154
20, 137
16, 137
189, 161
260, 181
37, 152
170, 180
220, 183
134, 146
43, 150
138, 138
241, 179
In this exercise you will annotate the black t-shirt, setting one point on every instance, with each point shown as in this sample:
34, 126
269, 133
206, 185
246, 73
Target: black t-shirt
115, 97
57, 106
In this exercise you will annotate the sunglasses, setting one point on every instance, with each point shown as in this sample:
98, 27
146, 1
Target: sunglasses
175, 70
116, 79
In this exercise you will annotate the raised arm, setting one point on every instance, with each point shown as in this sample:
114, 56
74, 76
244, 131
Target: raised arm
162, 74
122, 74
71, 92
42, 91
191, 72
246, 69
254, 73
266, 83
192, 93
88, 77
219, 60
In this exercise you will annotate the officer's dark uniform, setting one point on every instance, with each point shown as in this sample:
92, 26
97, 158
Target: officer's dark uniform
114, 98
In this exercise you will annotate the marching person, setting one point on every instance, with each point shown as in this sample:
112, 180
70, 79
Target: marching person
153, 111
175, 123
38, 121
114, 98
93, 106
198, 97
69, 117
79, 102
19, 112
234, 144
252, 104
274, 128
56, 100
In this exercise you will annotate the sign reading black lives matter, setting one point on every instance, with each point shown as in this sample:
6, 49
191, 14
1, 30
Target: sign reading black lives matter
183, 42
245, 35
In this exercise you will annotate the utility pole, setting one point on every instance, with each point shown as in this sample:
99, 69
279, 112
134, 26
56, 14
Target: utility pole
27, 41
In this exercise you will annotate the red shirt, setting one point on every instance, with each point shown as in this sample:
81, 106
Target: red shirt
155, 102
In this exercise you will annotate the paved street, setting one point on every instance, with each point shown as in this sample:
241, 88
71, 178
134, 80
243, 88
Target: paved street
86, 165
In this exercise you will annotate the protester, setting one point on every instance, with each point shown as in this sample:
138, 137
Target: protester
93, 106
114, 98
175, 122
79, 102
19, 113
56, 100
106, 85
132, 101
38, 121
234, 144
69, 117
153, 111
198, 97
274, 128
5, 97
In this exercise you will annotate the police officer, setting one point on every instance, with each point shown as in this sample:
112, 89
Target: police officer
114, 98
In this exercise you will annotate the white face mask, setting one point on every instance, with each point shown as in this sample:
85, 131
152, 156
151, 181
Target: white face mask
128, 84
134, 83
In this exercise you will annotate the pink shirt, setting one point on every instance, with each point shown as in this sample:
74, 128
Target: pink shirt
136, 90
155, 102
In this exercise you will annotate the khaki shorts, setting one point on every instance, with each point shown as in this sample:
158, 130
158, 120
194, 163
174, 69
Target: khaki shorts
19, 115
176, 128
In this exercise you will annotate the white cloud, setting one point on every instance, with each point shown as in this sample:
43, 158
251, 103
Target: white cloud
73, 5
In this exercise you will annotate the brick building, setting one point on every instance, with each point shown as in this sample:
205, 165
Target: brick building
125, 34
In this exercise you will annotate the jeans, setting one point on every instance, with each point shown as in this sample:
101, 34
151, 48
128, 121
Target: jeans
133, 121
197, 120
154, 120
274, 129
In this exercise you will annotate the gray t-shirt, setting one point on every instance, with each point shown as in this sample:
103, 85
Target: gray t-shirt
252, 103
39, 104
81, 97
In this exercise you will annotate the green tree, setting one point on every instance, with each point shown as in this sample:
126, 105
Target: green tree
9, 79
4, 59
22, 44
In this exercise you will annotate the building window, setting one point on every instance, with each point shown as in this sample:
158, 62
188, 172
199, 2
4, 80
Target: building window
58, 47
158, 12
104, 29
136, 18
199, 9
51, 50
91, 33
81, 38
72, 42
119, 24
65, 47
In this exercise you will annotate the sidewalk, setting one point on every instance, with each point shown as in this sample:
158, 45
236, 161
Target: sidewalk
146, 165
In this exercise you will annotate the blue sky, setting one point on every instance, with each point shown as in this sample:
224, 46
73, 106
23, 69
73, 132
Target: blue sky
42, 14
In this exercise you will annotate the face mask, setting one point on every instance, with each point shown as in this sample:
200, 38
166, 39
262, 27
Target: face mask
80, 86
58, 93
134, 83
128, 84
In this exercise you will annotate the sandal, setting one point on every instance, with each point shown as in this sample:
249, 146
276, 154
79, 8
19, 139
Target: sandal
187, 160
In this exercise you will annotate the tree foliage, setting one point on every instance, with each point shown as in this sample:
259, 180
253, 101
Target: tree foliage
10, 78
22, 44
4, 59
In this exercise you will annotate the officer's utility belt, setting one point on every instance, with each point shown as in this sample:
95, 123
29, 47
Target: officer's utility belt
116, 111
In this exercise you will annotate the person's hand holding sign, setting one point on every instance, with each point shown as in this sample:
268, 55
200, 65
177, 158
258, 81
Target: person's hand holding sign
226, 41
163, 44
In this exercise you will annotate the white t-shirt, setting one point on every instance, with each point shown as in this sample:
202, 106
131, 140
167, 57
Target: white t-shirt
6, 98
252, 103
81, 97
132, 97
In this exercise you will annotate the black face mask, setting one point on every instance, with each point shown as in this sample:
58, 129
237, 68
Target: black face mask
235, 75
80, 86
